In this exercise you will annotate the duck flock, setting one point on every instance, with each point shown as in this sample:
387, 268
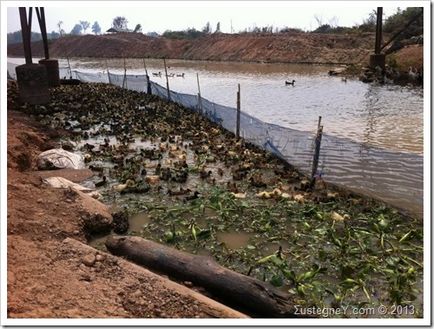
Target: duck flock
195, 180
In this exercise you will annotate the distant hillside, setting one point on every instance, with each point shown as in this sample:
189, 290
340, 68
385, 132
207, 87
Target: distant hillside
292, 47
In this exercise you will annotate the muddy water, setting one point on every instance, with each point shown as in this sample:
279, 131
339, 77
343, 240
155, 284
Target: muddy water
373, 134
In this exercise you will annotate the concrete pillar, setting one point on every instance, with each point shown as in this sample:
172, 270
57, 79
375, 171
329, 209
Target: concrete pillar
32, 84
52, 66
377, 60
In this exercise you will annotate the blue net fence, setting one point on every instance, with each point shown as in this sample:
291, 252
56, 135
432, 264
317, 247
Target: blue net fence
395, 177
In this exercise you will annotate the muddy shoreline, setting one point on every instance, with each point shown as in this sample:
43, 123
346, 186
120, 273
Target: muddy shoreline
195, 183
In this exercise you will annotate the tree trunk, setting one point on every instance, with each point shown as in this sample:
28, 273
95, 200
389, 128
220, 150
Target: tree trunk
236, 289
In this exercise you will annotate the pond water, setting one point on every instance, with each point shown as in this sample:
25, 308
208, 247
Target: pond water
386, 117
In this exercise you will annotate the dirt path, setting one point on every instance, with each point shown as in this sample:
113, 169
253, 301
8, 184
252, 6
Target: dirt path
52, 273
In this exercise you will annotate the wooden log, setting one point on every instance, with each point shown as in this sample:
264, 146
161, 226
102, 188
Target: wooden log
239, 291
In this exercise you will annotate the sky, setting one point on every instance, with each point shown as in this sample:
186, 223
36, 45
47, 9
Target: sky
179, 15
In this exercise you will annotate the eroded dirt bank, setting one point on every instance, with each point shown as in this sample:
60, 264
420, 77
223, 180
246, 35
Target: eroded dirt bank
51, 271
283, 48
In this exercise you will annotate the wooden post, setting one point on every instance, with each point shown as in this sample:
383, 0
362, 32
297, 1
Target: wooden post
319, 124
69, 67
26, 27
199, 97
108, 72
167, 80
124, 82
316, 154
148, 82
238, 112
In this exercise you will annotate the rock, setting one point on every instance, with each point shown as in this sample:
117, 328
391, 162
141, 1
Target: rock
120, 222
89, 260
95, 215
99, 258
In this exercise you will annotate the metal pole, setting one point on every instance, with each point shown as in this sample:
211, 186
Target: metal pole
25, 33
379, 30
316, 155
40, 13
167, 80
238, 112
199, 98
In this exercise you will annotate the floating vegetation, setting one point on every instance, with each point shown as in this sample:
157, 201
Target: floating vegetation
188, 183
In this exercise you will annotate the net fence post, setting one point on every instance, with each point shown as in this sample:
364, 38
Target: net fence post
315, 162
238, 112
199, 98
148, 83
108, 72
167, 80
124, 81
69, 67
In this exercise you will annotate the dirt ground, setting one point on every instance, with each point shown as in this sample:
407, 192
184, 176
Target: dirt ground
51, 272
292, 47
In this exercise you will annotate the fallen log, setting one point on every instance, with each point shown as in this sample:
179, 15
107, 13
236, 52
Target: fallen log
247, 293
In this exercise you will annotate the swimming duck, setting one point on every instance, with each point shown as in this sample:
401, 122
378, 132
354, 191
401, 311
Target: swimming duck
101, 183
287, 83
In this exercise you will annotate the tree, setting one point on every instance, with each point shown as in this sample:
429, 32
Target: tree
96, 28
138, 28
85, 25
217, 29
59, 25
76, 30
207, 28
120, 23
370, 23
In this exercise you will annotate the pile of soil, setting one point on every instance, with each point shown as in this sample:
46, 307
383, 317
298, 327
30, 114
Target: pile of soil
292, 47
51, 272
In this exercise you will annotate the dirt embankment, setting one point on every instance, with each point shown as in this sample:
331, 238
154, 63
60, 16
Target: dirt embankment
285, 48
51, 271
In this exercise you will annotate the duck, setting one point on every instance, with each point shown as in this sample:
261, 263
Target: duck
121, 187
204, 174
101, 183
180, 75
180, 192
195, 195
287, 83
344, 79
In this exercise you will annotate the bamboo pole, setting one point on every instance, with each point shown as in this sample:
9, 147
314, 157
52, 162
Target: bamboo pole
69, 67
148, 82
108, 72
124, 82
199, 97
238, 112
167, 80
